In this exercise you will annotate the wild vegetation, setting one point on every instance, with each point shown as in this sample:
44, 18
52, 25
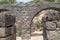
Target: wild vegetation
38, 24
6, 1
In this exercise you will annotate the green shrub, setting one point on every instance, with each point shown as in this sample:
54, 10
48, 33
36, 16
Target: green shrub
38, 24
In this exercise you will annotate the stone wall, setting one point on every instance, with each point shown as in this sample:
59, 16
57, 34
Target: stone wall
51, 26
26, 12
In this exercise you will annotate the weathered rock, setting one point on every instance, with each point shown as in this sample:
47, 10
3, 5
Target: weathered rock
51, 35
58, 24
53, 15
6, 19
6, 31
13, 29
50, 25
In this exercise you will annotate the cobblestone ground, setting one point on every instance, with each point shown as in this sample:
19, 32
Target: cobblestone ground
37, 35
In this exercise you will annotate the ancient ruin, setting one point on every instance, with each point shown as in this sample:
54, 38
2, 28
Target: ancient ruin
25, 17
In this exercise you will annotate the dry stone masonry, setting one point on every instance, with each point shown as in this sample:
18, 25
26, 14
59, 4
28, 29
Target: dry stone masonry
7, 27
51, 26
25, 14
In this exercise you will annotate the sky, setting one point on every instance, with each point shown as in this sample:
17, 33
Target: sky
23, 0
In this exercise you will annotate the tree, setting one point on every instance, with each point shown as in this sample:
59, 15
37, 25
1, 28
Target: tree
36, 1
50, 0
57, 0
53, 0
6, 1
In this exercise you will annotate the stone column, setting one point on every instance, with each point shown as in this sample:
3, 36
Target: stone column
7, 27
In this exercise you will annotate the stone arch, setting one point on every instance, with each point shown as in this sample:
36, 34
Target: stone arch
54, 6
45, 6
14, 8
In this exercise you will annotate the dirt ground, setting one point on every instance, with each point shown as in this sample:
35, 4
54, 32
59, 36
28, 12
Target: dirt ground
37, 35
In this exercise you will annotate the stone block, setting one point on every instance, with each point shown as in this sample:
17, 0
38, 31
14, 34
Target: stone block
14, 36
50, 25
11, 37
49, 17
51, 35
57, 35
13, 29
5, 31
6, 19
58, 24
54, 21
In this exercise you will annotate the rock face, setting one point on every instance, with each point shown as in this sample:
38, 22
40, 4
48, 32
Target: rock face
51, 26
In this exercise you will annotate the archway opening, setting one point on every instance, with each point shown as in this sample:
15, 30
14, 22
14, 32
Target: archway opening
36, 28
